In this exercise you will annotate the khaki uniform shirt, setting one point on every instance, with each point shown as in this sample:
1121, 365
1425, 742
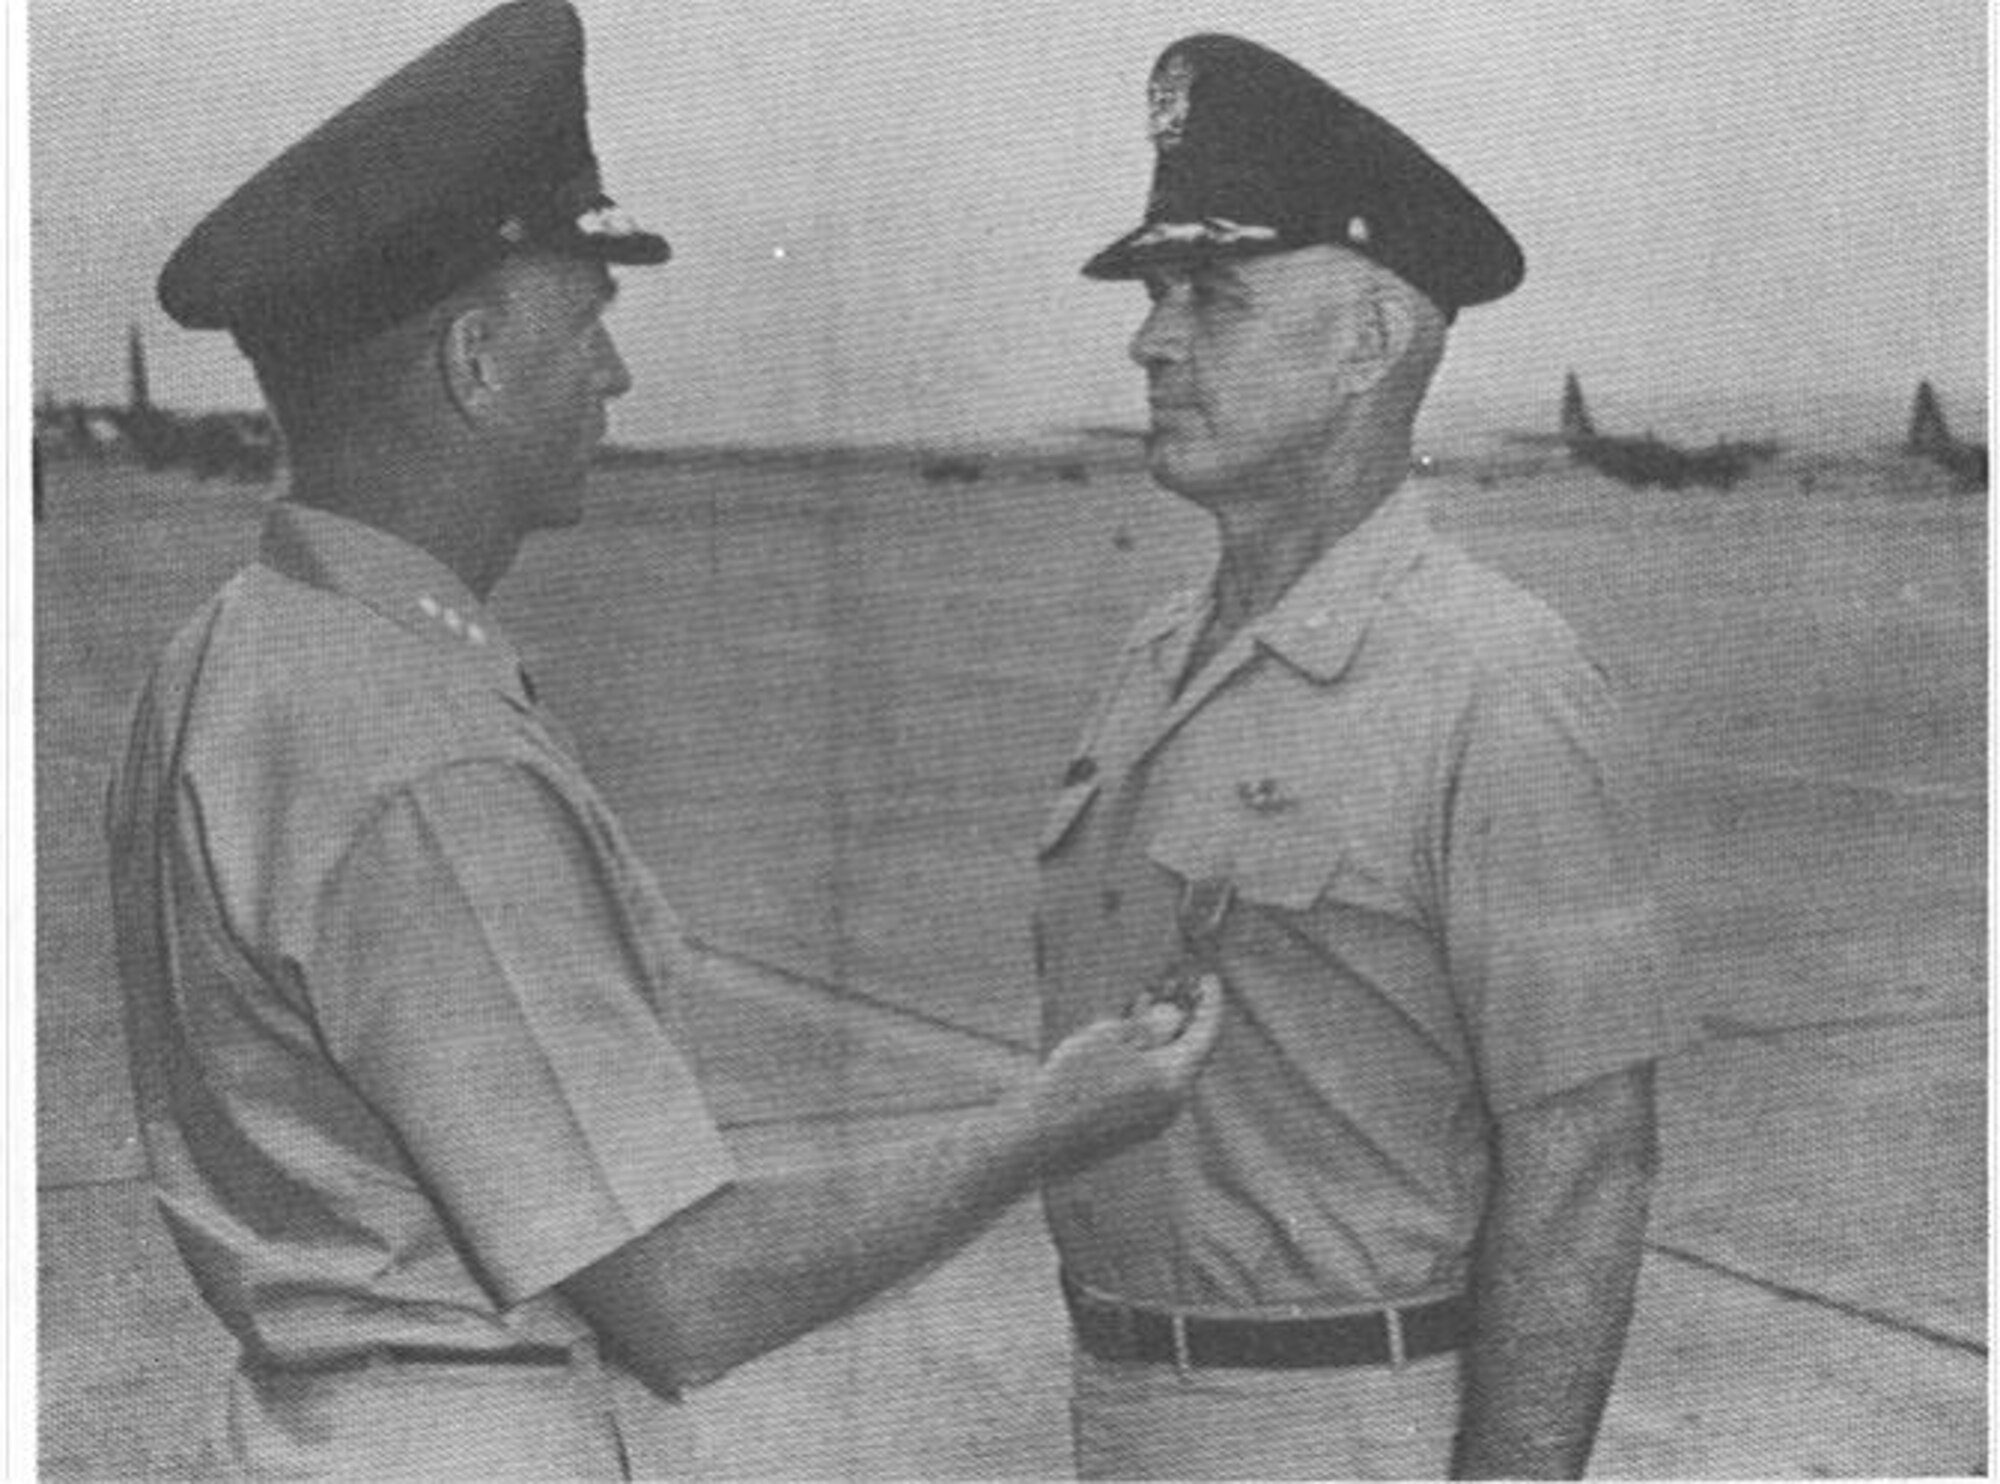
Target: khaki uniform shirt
400, 998
1421, 791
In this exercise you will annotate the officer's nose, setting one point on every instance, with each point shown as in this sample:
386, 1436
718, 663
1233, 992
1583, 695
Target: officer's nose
1162, 337
613, 377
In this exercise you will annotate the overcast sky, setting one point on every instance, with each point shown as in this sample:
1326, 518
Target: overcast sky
1730, 210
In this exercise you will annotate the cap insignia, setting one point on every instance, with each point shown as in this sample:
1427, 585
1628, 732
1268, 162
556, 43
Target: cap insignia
1167, 99
1357, 230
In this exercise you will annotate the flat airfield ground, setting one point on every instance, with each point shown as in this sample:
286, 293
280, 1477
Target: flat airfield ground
830, 699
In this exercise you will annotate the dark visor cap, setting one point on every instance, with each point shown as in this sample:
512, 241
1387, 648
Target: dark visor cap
1254, 154
476, 149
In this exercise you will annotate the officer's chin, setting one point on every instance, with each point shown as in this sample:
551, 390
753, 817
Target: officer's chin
568, 514
1173, 464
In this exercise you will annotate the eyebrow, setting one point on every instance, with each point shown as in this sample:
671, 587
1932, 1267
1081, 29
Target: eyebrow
1222, 273
1218, 273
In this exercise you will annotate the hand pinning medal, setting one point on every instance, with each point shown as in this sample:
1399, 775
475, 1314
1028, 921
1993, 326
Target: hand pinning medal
1204, 909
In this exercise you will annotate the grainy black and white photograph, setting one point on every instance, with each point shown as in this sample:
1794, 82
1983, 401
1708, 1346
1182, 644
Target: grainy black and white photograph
944, 741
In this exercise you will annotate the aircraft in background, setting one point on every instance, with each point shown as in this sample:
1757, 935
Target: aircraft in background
1930, 438
210, 445
1646, 460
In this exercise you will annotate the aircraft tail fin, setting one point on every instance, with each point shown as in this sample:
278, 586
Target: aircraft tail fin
1928, 432
1575, 416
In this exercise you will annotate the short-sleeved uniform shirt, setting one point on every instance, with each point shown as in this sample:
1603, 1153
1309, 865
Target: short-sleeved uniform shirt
1419, 788
400, 999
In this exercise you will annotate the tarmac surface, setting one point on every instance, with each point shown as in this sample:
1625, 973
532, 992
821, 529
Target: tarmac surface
829, 701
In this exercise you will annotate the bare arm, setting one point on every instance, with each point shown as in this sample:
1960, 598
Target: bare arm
1554, 1272
765, 1260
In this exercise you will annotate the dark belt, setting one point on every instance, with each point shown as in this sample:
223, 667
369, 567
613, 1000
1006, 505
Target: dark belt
1114, 1331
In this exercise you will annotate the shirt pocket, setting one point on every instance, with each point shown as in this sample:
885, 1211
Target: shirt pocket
1065, 814
1283, 859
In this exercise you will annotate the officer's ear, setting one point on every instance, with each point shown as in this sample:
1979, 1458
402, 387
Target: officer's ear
468, 351
1374, 335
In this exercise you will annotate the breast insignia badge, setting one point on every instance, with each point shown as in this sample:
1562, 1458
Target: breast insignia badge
1265, 796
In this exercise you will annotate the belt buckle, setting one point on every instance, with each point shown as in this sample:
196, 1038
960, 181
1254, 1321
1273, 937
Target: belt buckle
1126, 1324
1392, 1323
1178, 1329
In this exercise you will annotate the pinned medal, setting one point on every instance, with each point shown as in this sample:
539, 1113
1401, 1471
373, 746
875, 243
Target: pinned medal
1204, 909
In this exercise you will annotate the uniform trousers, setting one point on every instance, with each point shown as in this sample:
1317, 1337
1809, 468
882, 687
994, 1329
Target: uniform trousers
1135, 1420
391, 1419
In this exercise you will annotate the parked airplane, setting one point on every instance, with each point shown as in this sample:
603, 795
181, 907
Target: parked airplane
240, 445
1649, 460
1930, 438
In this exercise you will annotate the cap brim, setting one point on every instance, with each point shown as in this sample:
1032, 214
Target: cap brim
636, 249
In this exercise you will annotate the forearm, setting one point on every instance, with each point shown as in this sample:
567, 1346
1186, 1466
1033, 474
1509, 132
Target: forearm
778, 1255
764, 1260
770, 1257
1555, 1272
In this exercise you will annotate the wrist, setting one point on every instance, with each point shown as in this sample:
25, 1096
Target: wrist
1040, 1134
1018, 1139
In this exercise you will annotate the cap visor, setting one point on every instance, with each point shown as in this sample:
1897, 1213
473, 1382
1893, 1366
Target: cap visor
1116, 261
636, 248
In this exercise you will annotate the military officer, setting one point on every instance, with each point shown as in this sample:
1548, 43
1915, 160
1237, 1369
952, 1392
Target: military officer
401, 1001
1387, 794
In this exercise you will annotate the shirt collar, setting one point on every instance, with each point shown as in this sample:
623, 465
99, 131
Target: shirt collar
1320, 622
1164, 618
401, 582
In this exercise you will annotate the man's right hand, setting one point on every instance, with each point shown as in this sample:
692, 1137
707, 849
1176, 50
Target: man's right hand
1113, 1083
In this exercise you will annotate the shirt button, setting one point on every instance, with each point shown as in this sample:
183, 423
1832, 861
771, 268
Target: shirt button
430, 606
453, 622
1111, 901
475, 633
